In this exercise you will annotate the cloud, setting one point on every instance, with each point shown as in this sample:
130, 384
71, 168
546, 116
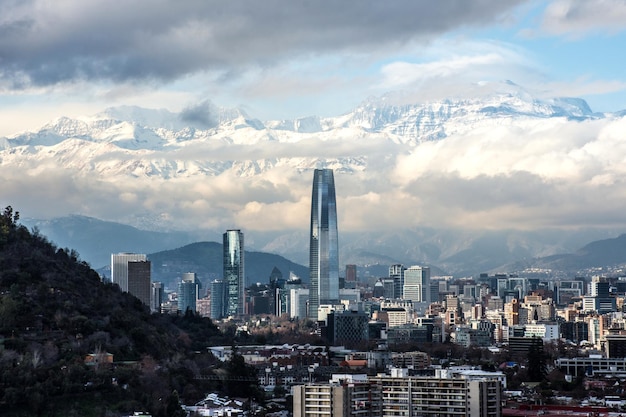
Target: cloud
577, 18
47, 43
500, 174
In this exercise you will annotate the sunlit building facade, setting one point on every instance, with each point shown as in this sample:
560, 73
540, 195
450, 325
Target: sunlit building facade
234, 273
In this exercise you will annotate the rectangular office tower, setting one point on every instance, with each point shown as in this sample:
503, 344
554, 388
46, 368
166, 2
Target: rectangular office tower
131, 272
234, 274
324, 244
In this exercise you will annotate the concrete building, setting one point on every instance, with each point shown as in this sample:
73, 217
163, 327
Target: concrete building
417, 284
298, 299
353, 396
403, 395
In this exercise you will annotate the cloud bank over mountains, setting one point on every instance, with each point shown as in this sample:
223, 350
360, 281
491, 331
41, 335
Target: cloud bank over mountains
503, 160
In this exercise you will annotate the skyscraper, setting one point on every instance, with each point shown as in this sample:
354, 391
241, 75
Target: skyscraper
140, 280
188, 289
234, 278
417, 284
396, 273
131, 271
156, 299
119, 267
217, 299
324, 245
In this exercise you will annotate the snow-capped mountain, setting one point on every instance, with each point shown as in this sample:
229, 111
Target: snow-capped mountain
400, 158
132, 141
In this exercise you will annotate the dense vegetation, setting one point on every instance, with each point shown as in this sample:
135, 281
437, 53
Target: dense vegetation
55, 311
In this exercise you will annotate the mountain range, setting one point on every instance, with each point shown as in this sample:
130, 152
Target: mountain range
173, 253
402, 175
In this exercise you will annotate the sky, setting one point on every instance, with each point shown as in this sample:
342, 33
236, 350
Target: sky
282, 60
287, 59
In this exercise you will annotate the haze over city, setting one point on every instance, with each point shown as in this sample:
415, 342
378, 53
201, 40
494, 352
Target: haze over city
286, 60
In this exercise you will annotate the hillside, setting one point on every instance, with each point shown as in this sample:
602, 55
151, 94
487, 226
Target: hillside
55, 311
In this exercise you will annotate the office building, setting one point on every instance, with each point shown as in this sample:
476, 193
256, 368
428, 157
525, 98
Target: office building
119, 267
131, 272
324, 245
417, 284
351, 277
188, 291
277, 283
139, 280
234, 274
217, 299
157, 297
396, 273
347, 328
298, 298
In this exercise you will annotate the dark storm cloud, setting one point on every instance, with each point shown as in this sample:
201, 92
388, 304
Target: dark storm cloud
45, 43
201, 115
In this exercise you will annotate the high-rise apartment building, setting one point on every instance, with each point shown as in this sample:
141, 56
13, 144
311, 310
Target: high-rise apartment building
324, 244
398, 394
131, 272
234, 273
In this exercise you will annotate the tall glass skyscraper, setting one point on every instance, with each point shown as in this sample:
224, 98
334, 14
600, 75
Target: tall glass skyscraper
234, 278
324, 245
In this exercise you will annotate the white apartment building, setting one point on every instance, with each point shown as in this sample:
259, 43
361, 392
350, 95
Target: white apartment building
398, 394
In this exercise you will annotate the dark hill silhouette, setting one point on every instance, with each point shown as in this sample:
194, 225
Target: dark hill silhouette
55, 311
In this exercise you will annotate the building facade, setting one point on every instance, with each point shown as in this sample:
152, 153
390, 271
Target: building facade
119, 267
417, 284
234, 274
157, 297
324, 245
217, 299
400, 395
140, 281
188, 289
131, 272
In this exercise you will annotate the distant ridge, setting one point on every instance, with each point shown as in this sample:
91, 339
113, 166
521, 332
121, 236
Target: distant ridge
206, 259
603, 253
